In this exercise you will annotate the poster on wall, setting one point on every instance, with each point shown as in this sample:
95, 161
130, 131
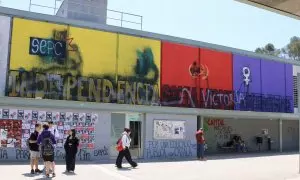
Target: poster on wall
16, 126
168, 129
10, 133
4, 45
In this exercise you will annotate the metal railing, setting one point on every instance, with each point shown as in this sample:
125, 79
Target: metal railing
122, 18
113, 17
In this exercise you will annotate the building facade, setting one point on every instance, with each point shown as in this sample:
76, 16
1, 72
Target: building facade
99, 79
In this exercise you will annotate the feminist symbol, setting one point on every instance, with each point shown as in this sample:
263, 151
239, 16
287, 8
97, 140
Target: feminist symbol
246, 74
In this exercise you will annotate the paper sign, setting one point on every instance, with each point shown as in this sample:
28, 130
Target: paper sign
27, 115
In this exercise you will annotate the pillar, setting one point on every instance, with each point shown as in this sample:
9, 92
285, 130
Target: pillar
280, 135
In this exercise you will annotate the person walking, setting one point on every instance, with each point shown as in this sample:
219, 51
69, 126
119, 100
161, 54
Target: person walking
124, 152
71, 149
47, 140
53, 131
200, 144
34, 150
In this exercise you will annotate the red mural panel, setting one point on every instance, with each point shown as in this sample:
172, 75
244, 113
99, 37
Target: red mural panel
176, 60
177, 84
216, 81
193, 77
219, 69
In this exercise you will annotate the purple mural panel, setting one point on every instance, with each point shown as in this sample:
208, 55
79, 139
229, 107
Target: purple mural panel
246, 81
289, 86
273, 87
272, 78
246, 74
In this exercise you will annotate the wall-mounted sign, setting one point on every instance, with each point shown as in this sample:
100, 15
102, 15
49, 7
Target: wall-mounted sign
168, 129
47, 47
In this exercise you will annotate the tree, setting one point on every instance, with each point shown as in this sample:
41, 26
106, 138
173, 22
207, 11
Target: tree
290, 51
293, 48
269, 49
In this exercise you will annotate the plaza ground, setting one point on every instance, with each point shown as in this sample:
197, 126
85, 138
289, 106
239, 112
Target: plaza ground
267, 167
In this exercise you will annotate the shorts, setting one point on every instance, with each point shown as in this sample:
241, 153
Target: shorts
48, 158
34, 154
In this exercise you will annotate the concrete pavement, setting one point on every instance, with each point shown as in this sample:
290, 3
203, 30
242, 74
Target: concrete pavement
281, 167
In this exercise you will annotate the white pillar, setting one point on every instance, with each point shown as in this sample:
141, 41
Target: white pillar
202, 122
280, 135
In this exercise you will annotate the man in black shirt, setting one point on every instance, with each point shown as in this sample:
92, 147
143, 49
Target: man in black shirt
34, 149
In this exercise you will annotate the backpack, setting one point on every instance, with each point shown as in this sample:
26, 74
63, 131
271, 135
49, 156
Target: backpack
47, 147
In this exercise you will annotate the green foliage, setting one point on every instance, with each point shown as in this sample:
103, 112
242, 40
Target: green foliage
268, 49
290, 51
293, 48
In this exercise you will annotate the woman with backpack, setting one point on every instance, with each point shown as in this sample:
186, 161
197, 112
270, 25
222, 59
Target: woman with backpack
71, 148
123, 147
47, 140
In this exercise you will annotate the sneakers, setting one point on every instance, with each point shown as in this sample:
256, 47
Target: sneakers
32, 171
38, 171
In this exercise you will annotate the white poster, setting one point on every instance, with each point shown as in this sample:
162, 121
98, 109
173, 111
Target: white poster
168, 129
81, 117
13, 114
42, 116
55, 116
94, 118
4, 39
3, 134
69, 116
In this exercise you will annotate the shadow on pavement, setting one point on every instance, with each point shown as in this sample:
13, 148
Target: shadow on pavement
223, 156
70, 173
29, 175
42, 178
125, 169
209, 157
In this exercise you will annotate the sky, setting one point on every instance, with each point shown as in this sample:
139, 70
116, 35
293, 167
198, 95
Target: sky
223, 22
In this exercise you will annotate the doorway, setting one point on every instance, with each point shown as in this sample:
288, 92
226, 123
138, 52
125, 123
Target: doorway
133, 121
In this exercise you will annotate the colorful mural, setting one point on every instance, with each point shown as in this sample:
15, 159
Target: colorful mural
178, 88
62, 62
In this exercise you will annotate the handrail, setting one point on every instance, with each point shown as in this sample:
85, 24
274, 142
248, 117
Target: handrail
121, 14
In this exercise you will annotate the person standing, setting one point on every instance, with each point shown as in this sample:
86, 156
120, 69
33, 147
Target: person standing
47, 141
53, 131
200, 144
71, 149
125, 142
34, 150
